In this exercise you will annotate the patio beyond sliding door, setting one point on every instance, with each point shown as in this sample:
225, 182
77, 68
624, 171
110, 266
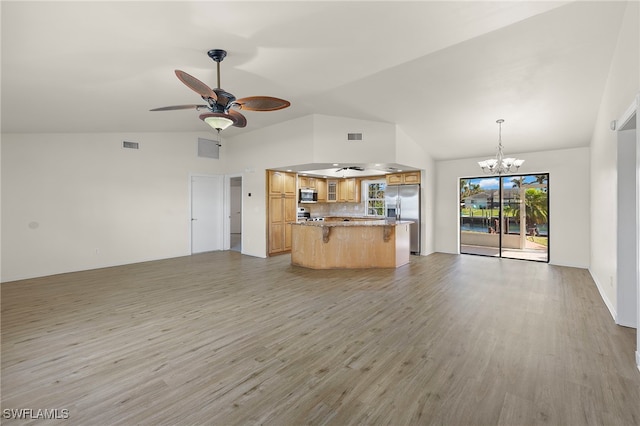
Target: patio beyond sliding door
505, 216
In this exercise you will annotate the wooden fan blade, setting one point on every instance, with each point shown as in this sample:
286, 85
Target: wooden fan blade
262, 103
174, 107
240, 120
196, 85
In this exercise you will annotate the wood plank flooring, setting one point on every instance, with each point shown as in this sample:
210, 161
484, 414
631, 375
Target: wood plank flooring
226, 339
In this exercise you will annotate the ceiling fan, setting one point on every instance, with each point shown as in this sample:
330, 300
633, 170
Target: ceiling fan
356, 168
219, 103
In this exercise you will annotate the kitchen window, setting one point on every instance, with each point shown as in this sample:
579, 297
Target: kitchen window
374, 197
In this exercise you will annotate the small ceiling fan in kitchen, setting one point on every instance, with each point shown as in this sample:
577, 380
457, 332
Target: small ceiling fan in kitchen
221, 105
356, 168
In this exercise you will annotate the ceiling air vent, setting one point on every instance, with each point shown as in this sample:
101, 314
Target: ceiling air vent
208, 148
354, 136
130, 145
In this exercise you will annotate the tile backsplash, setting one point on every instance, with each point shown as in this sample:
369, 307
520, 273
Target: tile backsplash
335, 209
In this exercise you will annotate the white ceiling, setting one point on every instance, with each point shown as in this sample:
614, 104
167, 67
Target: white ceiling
443, 71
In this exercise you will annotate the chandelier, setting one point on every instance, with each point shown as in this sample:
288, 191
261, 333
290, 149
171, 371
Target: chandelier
500, 165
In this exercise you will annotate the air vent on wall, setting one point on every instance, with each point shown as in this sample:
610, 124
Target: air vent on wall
354, 136
130, 145
208, 148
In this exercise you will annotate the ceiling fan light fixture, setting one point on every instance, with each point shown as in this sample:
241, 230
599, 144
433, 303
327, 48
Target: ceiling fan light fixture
217, 121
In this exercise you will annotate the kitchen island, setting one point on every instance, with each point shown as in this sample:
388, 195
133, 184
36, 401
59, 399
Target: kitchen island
350, 244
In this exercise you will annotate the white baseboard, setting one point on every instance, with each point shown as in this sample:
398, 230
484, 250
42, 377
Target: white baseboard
606, 300
627, 324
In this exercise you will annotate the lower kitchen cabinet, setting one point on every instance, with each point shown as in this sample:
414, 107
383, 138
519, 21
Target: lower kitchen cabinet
282, 212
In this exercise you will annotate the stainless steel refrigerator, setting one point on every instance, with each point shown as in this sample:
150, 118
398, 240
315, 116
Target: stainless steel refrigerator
403, 203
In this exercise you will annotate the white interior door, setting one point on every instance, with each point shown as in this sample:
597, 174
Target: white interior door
206, 213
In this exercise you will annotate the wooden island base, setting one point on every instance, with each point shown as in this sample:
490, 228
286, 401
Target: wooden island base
350, 245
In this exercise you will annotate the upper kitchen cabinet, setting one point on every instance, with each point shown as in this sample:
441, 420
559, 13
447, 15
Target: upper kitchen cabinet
307, 182
332, 191
408, 178
282, 183
321, 188
340, 191
348, 191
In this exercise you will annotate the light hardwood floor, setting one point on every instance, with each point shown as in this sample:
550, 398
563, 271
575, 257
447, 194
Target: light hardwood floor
225, 339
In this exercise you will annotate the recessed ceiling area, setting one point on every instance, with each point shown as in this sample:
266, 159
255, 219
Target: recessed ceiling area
345, 170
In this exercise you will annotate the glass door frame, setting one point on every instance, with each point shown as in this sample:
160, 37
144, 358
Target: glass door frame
527, 243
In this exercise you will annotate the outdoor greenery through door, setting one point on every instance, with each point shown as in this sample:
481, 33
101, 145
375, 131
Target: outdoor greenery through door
505, 216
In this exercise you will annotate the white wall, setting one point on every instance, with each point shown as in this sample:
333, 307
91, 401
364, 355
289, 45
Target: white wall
330, 140
623, 84
80, 201
568, 201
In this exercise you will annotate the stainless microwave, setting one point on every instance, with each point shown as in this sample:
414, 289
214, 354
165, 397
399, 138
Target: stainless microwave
308, 196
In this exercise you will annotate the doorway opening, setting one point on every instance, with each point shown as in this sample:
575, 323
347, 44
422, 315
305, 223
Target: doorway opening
628, 238
235, 213
505, 216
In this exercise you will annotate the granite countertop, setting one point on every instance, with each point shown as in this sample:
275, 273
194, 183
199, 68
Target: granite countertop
335, 223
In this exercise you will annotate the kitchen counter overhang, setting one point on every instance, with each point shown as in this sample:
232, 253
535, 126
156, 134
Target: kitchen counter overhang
377, 243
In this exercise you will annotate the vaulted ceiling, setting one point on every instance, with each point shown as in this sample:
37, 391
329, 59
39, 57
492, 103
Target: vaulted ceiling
443, 71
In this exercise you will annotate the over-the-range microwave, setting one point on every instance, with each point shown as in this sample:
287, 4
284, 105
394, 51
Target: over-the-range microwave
308, 196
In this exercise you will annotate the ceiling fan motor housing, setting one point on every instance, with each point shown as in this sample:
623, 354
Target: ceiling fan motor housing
217, 54
224, 102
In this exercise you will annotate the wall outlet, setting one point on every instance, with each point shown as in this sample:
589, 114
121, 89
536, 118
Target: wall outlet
97, 251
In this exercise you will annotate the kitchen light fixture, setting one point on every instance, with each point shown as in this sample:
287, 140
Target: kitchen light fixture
500, 165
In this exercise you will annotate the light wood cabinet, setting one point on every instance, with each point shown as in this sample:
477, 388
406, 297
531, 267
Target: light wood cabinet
353, 190
307, 182
281, 183
290, 184
358, 245
412, 178
403, 178
321, 188
332, 191
348, 191
281, 210
340, 190
394, 179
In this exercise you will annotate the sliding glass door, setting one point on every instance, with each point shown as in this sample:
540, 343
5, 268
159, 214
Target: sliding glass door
505, 216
